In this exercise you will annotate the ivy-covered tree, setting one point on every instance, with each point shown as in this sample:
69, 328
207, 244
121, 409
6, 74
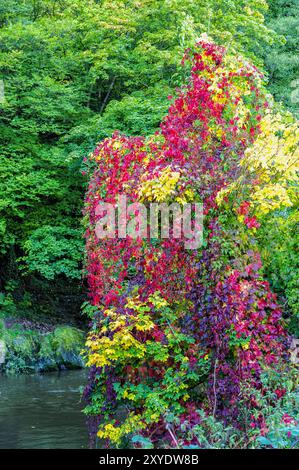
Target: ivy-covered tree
176, 329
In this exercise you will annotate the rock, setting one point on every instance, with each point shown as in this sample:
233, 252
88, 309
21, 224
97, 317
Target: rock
24, 350
2, 351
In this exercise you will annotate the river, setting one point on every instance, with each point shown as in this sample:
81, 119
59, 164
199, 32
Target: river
42, 411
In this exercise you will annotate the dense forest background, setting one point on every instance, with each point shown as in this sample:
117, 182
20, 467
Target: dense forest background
73, 71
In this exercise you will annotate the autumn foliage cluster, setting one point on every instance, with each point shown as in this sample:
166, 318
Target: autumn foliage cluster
177, 332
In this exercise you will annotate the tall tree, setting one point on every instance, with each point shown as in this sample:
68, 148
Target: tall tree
75, 70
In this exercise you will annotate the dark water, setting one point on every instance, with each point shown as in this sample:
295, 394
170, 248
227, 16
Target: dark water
42, 411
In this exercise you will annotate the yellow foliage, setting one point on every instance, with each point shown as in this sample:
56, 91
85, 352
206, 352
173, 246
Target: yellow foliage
132, 424
159, 189
238, 89
187, 196
122, 346
157, 300
270, 197
104, 351
129, 395
272, 162
273, 159
224, 192
275, 152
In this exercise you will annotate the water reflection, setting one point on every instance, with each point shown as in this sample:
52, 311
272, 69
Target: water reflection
42, 411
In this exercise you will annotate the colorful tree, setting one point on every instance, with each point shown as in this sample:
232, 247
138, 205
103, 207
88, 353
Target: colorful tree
175, 329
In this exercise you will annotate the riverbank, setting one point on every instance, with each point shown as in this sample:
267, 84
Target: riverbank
29, 346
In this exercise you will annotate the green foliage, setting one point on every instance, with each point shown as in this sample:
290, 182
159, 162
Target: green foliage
280, 421
51, 251
281, 60
279, 243
213, 434
2, 328
140, 112
7, 305
284, 437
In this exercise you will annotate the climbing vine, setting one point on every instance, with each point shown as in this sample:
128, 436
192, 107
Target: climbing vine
176, 332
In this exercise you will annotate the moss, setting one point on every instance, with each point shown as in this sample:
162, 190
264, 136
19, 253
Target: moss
67, 338
21, 348
2, 329
30, 350
46, 355
62, 348
68, 343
